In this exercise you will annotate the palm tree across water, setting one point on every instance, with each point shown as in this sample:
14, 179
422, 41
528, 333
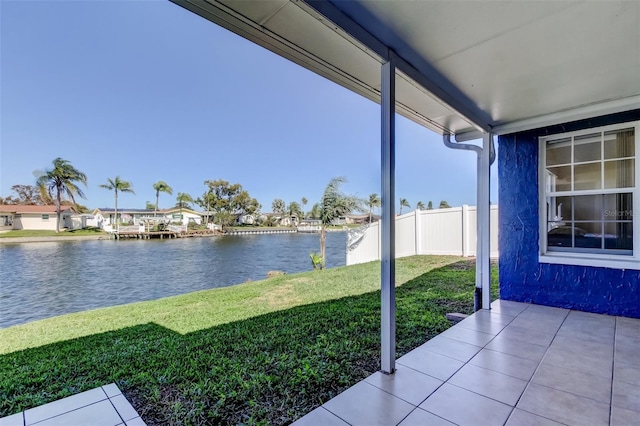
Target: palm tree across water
161, 186
62, 180
183, 199
294, 209
404, 203
420, 205
373, 202
117, 185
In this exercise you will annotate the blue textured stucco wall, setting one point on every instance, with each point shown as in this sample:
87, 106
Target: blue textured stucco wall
522, 277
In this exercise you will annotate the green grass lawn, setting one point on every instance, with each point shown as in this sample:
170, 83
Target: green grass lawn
44, 233
265, 352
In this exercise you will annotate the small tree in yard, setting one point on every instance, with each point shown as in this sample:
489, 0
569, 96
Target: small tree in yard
316, 261
333, 205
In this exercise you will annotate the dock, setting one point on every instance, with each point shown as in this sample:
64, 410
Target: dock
171, 231
261, 231
146, 235
140, 232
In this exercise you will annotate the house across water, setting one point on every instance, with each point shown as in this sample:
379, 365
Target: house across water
18, 216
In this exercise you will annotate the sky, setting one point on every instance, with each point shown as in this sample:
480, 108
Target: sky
148, 91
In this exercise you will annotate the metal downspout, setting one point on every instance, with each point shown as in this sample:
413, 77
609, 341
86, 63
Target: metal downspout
482, 232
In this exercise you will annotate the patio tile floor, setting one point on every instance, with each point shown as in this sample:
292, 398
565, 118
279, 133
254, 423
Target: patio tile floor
517, 365
103, 406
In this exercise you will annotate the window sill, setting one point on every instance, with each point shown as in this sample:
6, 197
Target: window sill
580, 259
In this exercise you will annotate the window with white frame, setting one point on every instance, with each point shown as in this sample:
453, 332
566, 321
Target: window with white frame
589, 193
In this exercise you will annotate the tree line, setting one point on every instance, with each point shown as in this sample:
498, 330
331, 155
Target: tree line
223, 202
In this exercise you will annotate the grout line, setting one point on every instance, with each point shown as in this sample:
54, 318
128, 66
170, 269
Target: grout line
613, 366
116, 410
538, 415
442, 382
540, 362
65, 413
334, 414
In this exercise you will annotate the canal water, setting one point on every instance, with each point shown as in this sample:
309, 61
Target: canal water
40, 280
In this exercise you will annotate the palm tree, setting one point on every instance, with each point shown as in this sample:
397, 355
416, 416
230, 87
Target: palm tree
420, 205
404, 203
430, 205
61, 181
117, 185
444, 205
304, 202
315, 211
333, 205
161, 186
183, 199
374, 201
293, 209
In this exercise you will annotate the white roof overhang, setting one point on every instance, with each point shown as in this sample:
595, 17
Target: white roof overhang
463, 67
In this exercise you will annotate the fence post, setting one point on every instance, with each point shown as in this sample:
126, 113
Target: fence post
418, 230
465, 230
379, 239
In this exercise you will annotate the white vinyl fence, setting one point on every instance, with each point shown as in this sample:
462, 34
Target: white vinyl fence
442, 231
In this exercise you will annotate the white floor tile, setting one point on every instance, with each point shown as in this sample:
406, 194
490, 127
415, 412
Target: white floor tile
64, 405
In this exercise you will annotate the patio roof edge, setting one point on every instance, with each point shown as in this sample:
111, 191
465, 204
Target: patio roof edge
574, 114
435, 83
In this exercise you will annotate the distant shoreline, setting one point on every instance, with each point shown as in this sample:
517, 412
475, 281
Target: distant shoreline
10, 240
47, 239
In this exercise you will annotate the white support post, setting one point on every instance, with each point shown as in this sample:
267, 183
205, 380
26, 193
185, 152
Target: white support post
388, 293
484, 220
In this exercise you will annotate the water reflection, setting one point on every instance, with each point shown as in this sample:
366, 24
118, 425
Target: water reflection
40, 280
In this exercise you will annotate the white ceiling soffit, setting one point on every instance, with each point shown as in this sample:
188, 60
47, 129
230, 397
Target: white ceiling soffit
463, 66
295, 31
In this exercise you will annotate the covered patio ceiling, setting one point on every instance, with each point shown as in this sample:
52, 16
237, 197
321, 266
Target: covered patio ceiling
463, 67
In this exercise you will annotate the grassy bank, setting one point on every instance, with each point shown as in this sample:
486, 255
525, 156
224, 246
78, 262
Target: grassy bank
259, 353
44, 233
